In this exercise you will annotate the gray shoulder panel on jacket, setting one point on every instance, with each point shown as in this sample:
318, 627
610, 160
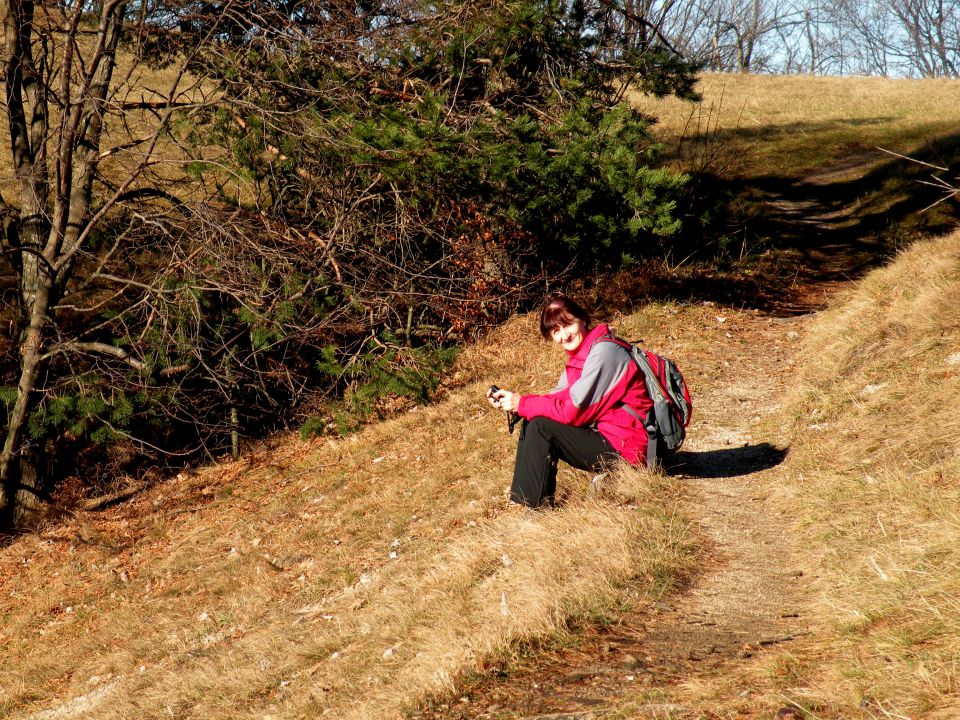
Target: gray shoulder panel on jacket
604, 368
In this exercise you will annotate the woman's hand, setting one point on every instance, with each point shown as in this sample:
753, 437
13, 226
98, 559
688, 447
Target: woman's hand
504, 400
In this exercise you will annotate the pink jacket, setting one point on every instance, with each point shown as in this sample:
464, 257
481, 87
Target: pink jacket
600, 378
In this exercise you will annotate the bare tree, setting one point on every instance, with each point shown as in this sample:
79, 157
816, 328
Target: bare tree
871, 39
932, 30
71, 113
56, 125
726, 35
919, 38
883, 37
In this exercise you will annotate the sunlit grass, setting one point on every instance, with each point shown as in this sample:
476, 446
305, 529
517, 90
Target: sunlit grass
356, 577
787, 125
872, 483
352, 577
880, 477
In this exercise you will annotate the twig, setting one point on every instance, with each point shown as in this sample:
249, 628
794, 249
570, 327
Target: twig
776, 640
104, 500
907, 157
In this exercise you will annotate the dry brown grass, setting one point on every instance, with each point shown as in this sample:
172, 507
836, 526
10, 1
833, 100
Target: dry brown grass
879, 414
349, 578
267, 588
788, 125
128, 130
873, 480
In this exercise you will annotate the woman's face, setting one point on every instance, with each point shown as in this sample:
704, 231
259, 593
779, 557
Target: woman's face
569, 336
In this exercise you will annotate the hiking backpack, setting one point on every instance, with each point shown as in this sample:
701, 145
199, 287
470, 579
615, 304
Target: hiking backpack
667, 420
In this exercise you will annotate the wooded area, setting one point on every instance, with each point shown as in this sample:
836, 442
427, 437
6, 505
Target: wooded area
216, 212
890, 38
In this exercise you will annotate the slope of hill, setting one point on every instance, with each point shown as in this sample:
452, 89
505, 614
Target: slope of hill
876, 468
385, 569
868, 497
353, 577
788, 126
803, 555
831, 576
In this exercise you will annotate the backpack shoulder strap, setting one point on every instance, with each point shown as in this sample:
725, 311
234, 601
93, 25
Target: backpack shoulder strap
651, 436
640, 359
610, 337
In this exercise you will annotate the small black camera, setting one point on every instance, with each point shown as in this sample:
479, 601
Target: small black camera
512, 417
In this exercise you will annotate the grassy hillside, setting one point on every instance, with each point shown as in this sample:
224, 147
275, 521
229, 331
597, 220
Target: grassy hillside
786, 126
351, 578
872, 482
792, 176
876, 469
355, 578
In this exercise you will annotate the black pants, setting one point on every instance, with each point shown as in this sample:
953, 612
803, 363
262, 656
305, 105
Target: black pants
542, 443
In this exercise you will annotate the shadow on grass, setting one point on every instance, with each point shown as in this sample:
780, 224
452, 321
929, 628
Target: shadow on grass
828, 130
854, 206
773, 238
729, 462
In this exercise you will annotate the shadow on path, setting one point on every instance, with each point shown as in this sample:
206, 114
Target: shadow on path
729, 462
851, 216
799, 239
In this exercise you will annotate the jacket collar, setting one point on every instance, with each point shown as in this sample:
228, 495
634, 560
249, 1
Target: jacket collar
595, 334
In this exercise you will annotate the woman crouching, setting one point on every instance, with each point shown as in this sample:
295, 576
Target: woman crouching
590, 420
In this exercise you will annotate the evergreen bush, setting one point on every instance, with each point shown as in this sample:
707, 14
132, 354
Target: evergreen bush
410, 175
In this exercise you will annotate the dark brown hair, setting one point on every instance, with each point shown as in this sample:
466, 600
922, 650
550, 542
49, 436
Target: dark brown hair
561, 310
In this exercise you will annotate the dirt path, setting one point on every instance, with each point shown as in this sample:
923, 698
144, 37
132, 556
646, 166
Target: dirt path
756, 594
755, 590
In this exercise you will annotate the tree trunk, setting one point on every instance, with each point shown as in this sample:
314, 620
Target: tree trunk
31, 352
31, 478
